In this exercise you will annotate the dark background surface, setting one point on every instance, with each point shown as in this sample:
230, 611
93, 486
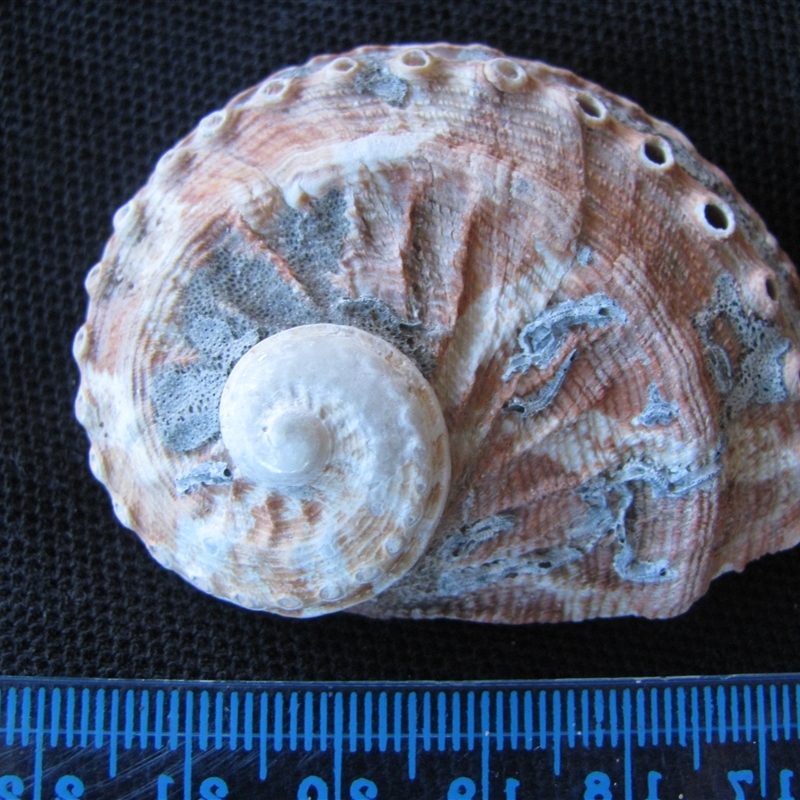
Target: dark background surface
92, 93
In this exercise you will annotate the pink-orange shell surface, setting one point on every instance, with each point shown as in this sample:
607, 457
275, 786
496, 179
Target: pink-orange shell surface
612, 335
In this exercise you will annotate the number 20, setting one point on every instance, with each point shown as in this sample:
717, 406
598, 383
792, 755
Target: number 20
360, 789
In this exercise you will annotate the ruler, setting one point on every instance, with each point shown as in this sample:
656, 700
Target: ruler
734, 737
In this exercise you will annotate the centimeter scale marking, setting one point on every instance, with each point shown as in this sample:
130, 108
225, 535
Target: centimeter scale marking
65, 740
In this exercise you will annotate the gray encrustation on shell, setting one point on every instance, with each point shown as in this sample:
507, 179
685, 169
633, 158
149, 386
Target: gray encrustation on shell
585, 350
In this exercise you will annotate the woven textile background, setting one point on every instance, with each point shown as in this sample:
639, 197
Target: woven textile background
92, 93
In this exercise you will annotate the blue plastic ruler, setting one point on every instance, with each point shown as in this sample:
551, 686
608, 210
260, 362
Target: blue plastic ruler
732, 737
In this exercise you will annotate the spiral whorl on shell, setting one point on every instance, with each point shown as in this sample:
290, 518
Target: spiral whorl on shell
611, 334
342, 433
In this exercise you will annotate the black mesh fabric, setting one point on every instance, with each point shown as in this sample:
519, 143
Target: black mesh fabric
92, 93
